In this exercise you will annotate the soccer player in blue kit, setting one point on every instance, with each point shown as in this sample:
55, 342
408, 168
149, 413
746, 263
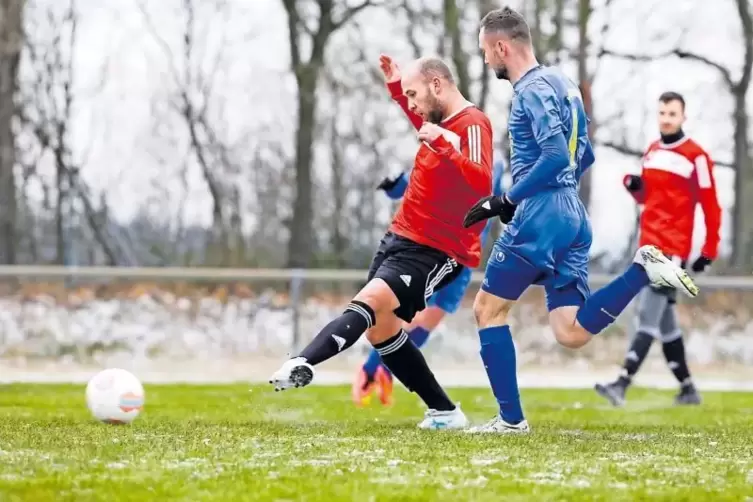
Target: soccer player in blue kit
548, 234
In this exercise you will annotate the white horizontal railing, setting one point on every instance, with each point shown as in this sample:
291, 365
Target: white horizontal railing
203, 274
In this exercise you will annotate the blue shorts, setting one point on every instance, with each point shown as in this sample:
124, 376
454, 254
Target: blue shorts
449, 297
547, 243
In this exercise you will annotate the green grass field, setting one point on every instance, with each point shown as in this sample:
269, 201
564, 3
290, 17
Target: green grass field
226, 443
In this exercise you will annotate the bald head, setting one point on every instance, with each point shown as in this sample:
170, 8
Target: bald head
429, 68
430, 88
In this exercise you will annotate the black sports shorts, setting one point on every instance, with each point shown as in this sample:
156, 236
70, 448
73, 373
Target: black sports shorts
413, 272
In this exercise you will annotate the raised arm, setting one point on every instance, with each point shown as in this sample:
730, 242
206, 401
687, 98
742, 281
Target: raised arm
396, 92
392, 77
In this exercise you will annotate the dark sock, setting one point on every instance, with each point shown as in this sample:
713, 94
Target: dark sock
674, 353
339, 334
418, 336
408, 365
635, 356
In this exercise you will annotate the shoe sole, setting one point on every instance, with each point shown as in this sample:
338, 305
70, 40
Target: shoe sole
462, 427
300, 376
502, 431
688, 286
604, 392
696, 402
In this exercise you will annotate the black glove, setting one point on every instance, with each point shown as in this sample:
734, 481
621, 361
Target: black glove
388, 183
488, 207
632, 182
700, 264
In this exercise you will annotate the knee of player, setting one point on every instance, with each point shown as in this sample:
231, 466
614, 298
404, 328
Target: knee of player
378, 295
387, 326
572, 337
490, 310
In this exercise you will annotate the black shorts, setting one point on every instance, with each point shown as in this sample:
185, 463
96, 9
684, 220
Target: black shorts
413, 272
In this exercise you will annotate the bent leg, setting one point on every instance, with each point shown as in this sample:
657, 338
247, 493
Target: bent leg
373, 303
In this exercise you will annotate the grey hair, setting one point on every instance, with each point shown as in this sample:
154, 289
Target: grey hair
507, 22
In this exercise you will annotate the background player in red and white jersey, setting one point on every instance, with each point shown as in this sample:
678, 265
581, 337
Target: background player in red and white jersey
677, 174
426, 246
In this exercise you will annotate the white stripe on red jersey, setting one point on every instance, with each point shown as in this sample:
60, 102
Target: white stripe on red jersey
676, 177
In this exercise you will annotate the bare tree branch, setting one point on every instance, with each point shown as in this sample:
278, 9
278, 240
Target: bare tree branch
351, 12
682, 54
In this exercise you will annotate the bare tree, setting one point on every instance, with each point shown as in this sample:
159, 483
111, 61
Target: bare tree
454, 34
193, 100
47, 100
584, 82
316, 33
11, 45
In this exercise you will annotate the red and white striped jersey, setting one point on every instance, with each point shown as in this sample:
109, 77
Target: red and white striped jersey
676, 177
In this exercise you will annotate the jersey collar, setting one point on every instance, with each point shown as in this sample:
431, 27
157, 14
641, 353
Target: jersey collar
525, 77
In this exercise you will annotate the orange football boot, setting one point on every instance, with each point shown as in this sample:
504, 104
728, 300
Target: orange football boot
383, 379
362, 389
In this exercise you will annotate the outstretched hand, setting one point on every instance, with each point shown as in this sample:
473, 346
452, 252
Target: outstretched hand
389, 68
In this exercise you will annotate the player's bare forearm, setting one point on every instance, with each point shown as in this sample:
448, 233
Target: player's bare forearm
554, 158
396, 92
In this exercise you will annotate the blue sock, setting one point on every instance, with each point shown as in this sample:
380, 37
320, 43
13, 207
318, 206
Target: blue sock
498, 354
372, 363
603, 307
419, 336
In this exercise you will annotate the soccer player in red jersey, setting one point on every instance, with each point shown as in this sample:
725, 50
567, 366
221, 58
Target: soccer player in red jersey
426, 246
676, 175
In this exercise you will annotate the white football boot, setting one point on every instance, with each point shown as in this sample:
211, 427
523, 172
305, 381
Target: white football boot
662, 272
498, 426
294, 372
444, 420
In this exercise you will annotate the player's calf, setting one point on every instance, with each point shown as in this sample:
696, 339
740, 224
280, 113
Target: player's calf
375, 302
490, 310
567, 331
407, 364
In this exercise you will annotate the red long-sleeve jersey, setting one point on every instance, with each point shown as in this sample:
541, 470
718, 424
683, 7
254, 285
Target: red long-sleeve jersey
449, 176
676, 177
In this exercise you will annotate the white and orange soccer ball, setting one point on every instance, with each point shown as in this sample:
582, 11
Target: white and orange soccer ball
115, 396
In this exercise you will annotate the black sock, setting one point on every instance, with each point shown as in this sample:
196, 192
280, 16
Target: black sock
636, 355
339, 334
674, 353
408, 365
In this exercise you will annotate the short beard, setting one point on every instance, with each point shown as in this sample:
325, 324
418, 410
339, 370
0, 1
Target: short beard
436, 116
501, 73
436, 112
